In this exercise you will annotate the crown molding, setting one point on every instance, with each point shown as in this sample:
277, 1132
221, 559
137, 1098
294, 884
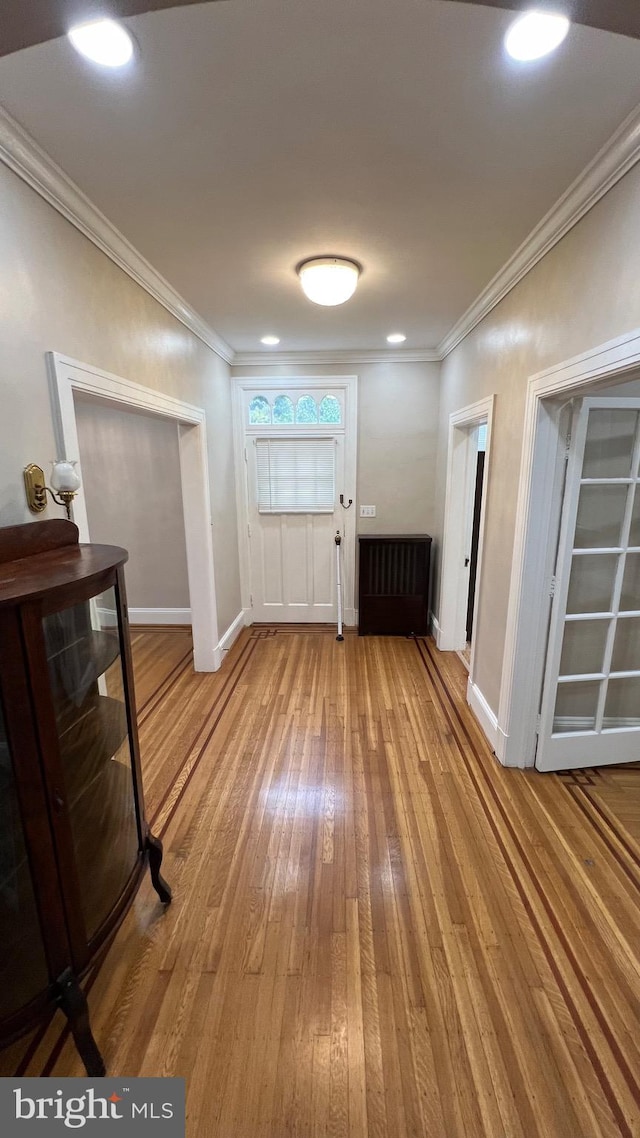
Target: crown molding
610, 164
22, 154
322, 358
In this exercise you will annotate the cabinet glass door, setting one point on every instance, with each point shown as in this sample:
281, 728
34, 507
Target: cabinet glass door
23, 969
83, 651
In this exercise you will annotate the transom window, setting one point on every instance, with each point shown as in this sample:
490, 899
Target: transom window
304, 411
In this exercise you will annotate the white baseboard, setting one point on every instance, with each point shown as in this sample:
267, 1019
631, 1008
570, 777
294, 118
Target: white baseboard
487, 718
447, 642
444, 641
159, 616
230, 636
108, 617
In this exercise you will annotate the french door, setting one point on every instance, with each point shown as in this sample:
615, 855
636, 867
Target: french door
590, 711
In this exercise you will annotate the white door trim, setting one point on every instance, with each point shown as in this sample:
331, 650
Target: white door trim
350, 385
525, 642
454, 589
69, 375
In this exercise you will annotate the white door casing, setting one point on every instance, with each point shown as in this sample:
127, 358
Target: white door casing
451, 628
590, 713
68, 375
536, 533
288, 559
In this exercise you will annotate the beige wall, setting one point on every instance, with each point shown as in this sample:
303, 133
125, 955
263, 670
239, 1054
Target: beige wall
397, 440
59, 292
584, 292
131, 481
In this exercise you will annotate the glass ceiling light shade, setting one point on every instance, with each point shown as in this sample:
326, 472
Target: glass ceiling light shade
329, 280
536, 34
102, 41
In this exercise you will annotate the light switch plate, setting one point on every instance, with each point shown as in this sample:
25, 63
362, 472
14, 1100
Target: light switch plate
367, 511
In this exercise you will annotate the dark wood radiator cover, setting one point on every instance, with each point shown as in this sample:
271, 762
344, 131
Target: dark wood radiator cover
394, 585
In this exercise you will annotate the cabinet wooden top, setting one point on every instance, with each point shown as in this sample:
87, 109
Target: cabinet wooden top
40, 558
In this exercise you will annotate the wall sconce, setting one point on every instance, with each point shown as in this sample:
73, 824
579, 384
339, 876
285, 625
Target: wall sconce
64, 479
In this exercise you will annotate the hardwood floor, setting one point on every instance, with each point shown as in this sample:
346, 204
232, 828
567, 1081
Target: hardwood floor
376, 931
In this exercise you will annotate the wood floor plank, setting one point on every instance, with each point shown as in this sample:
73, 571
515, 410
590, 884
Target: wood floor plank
377, 932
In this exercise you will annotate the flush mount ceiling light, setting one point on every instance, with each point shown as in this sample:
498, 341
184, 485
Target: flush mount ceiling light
102, 41
396, 338
329, 280
270, 341
536, 34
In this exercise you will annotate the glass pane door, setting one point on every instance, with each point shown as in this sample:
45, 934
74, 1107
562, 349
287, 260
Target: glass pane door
83, 651
23, 969
591, 702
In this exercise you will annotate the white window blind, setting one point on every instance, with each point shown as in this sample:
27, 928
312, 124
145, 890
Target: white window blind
296, 476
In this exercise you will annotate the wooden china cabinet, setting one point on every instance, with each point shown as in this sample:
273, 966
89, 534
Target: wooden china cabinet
74, 841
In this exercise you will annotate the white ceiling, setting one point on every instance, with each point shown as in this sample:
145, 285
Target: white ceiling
253, 133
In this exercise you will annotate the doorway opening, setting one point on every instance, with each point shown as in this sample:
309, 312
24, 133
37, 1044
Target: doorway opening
465, 499
295, 446
569, 504
68, 379
590, 706
475, 517
130, 463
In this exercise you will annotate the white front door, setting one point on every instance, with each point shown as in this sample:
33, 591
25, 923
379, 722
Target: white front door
590, 713
296, 457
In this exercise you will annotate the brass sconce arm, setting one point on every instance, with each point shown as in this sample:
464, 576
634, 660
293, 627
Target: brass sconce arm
65, 498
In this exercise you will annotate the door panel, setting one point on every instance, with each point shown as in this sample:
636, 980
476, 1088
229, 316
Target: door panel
324, 552
296, 554
590, 713
267, 546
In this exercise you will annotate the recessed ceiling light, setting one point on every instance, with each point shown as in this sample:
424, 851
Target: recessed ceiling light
270, 341
329, 280
536, 34
396, 338
102, 41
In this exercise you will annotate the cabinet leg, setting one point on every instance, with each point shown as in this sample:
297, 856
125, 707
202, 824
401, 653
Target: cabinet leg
73, 1002
154, 849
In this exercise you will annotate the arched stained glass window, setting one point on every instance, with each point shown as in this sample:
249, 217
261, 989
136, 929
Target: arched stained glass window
259, 410
330, 410
282, 409
306, 410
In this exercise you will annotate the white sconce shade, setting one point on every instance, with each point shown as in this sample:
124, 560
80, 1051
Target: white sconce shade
64, 476
329, 280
